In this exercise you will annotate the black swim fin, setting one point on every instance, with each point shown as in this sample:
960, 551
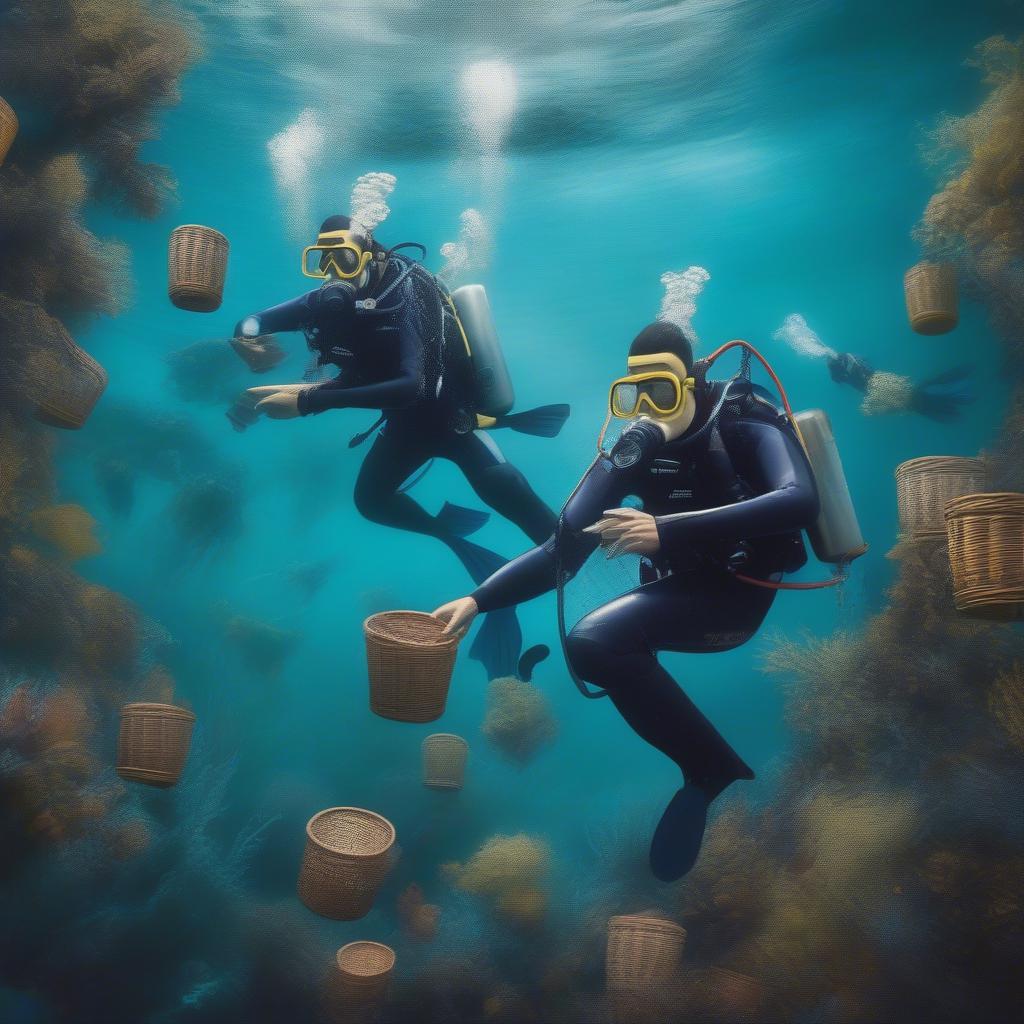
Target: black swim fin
680, 833
457, 521
544, 421
479, 562
530, 660
498, 642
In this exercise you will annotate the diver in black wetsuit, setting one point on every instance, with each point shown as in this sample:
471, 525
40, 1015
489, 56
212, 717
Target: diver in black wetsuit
383, 321
724, 483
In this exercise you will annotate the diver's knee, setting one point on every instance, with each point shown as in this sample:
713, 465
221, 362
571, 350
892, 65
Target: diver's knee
596, 660
502, 482
369, 503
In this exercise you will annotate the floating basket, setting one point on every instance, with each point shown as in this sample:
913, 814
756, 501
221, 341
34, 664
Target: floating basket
738, 995
410, 664
643, 952
444, 761
930, 290
923, 486
358, 979
197, 260
986, 554
348, 854
8, 128
154, 743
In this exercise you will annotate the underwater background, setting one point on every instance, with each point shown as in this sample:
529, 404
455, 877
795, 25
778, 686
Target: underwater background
785, 154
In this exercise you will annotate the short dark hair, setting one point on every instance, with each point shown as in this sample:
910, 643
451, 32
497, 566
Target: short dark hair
663, 336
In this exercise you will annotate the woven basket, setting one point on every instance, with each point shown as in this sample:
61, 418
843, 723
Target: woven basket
8, 128
197, 261
643, 952
986, 554
930, 290
154, 743
410, 665
444, 761
348, 855
923, 486
358, 980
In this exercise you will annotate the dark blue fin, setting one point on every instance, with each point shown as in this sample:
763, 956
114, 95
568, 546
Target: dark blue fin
530, 660
544, 421
457, 521
680, 833
479, 562
498, 643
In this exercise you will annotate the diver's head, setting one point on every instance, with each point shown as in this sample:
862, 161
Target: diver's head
658, 386
341, 253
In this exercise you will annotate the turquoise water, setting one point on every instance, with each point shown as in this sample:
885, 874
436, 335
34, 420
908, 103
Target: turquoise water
774, 144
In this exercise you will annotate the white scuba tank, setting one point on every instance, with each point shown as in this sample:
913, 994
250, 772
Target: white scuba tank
836, 536
492, 383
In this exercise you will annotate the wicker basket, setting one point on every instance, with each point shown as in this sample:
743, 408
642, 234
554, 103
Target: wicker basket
444, 761
197, 261
154, 743
986, 554
358, 980
348, 855
8, 128
923, 486
930, 290
643, 952
410, 665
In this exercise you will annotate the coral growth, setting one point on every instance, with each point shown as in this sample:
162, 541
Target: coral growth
519, 720
419, 919
68, 528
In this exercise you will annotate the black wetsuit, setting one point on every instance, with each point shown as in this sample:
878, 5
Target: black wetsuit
394, 358
741, 489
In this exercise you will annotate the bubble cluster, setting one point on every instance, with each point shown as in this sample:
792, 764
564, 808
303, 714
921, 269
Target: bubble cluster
679, 303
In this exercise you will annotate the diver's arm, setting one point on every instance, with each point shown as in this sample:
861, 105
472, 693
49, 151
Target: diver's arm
772, 461
400, 391
606, 483
293, 315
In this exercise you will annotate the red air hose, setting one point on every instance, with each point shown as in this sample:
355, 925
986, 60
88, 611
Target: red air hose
840, 574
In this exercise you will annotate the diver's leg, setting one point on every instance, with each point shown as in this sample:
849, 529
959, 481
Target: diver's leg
500, 484
615, 648
392, 458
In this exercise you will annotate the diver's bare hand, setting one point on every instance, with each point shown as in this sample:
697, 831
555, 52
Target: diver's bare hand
627, 530
278, 401
458, 615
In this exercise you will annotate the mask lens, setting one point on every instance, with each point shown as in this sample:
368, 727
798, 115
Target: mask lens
347, 260
624, 398
663, 394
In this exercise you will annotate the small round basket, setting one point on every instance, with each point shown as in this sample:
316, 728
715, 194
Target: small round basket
63, 382
643, 952
924, 485
444, 761
154, 743
410, 664
930, 290
8, 128
348, 855
197, 261
358, 980
986, 554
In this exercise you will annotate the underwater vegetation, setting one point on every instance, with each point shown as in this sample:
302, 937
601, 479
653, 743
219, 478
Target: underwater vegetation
519, 721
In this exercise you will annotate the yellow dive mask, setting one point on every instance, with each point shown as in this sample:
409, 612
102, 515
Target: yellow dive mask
661, 391
336, 254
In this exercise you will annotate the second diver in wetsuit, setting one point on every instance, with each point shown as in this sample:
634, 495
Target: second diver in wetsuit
388, 326
724, 482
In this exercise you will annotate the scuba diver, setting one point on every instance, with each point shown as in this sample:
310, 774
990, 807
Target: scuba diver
940, 398
402, 347
725, 486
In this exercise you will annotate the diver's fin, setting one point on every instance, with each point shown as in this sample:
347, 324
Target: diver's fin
957, 376
457, 521
530, 660
498, 643
479, 562
544, 421
680, 833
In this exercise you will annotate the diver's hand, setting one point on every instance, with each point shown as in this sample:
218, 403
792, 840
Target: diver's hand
625, 530
278, 401
458, 615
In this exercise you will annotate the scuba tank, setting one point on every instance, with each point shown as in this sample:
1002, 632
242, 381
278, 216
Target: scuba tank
836, 536
493, 393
